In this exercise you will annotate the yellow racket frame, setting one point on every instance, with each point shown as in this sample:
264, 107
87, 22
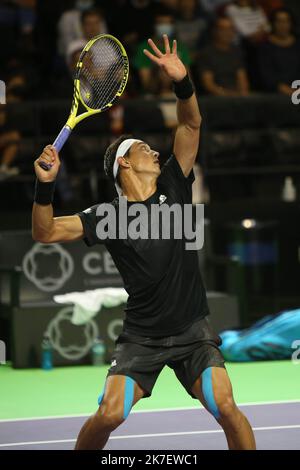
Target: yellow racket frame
73, 119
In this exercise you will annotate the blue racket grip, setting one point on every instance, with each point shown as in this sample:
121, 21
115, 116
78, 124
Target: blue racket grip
58, 144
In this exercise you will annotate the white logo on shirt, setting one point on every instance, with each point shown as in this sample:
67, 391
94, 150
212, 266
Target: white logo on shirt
162, 199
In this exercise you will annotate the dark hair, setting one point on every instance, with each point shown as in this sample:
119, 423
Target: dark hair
276, 12
110, 155
90, 12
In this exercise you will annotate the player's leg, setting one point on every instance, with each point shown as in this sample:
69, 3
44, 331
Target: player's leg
213, 389
202, 372
132, 375
121, 393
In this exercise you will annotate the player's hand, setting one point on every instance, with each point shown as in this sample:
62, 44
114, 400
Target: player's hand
49, 156
169, 61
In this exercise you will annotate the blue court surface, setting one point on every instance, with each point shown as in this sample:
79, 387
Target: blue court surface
276, 427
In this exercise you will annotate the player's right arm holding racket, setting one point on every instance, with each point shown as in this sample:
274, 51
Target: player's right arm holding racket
45, 227
101, 77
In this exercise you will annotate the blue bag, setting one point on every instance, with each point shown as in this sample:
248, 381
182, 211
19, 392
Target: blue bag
271, 338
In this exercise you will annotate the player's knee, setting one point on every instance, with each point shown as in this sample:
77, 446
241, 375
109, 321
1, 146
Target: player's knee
219, 400
110, 415
226, 407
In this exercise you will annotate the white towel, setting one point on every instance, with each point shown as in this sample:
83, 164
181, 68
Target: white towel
88, 303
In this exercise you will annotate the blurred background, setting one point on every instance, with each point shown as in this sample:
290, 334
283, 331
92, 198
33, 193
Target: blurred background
243, 57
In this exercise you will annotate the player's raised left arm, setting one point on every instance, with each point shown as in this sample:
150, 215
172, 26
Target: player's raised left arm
189, 119
187, 135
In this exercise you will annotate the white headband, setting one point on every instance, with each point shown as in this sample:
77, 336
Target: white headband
121, 151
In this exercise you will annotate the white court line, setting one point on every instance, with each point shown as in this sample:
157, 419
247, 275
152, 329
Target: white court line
158, 410
138, 436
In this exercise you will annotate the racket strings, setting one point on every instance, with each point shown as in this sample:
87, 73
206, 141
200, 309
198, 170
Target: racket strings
102, 73
97, 92
108, 88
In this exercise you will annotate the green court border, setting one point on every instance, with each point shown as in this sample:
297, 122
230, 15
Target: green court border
31, 393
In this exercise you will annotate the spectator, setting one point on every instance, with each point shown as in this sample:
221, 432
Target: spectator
80, 22
189, 26
163, 24
92, 24
249, 20
279, 57
221, 68
9, 145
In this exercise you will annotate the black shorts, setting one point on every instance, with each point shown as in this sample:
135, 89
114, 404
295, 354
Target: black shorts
143, 363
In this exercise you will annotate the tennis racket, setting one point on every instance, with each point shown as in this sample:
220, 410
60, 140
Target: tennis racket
100, 78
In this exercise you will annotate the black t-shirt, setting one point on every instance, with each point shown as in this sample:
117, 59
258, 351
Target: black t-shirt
278, 65
162, 278
200, 331
223, 64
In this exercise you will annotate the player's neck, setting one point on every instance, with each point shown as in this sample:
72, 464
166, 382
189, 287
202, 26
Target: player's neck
138, 189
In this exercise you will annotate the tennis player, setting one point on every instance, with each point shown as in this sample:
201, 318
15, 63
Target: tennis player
167, 314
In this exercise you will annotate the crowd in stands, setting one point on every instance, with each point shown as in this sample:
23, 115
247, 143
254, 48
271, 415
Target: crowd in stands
230, 48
